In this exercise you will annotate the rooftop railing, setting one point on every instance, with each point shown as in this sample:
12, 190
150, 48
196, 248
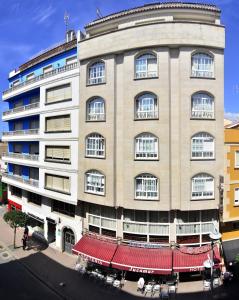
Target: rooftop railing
21, 132
27, 156
29, 181
42, 76
21, 108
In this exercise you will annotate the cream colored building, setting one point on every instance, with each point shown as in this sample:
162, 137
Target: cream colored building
151, 123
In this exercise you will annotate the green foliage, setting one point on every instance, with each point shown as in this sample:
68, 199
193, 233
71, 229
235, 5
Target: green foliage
15, 218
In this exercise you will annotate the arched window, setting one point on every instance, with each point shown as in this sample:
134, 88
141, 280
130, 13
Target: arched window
202, 106
95, 145
146, 146
202, 186
96, 73
94, 182
202, 65
202, 145
146, 187
95, 110
146, 106
146, 66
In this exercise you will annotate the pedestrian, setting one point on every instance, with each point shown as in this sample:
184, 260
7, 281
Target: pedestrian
26, 231
24, 241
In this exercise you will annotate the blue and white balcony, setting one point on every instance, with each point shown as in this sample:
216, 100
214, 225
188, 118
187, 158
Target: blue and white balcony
17, 112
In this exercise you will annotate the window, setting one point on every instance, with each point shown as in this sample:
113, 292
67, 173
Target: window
63, 208
97, 73
34, 198
95, 145
94, 182
17, 170
34, 99
146, 66
18, 103
202, 186
17, 148
58, 124
202, 145
202, 106
15, 191
34, 173
237, 159
146, 146
47, 69
58, 153
17, 125
202, 65
34, 149
57, 183
95, 109
146, 107
34, 124
71, 60
16, 82
30, 76
236, 196
58, 93
146, 187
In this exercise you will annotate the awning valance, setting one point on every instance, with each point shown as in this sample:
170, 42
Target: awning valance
143, 260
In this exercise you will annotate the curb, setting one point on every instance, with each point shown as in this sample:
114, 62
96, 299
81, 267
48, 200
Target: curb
39, 278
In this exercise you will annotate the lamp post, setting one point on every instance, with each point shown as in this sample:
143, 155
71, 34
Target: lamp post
209, 263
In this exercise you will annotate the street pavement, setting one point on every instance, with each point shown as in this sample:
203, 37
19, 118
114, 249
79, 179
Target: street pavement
47, 274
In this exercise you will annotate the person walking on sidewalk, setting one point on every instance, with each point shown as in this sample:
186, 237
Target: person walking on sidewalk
24, 241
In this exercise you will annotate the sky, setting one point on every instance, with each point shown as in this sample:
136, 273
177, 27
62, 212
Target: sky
29, 26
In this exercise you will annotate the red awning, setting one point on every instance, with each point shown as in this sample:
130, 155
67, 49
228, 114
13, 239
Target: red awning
143, 260
188, 259
96, 250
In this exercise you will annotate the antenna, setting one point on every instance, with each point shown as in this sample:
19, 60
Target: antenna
98, 13
66, 20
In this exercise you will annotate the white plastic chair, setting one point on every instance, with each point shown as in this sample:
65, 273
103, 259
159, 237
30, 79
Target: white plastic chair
156, 289
148, 289
109, 279
117, 283
206, 285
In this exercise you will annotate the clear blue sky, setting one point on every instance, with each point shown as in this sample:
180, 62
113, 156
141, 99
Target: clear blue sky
28, 26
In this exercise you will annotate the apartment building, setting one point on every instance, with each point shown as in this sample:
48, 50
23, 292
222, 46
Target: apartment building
42, 137
230, 216
151, 123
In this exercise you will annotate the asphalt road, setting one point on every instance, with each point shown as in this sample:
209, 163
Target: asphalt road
18, 283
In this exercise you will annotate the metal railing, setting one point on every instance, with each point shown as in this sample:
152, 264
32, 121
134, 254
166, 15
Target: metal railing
42, 76
21, 132
146, 114
29, 181
21, 108
28, 156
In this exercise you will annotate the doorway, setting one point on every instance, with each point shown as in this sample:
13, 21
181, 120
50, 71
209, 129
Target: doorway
68, 240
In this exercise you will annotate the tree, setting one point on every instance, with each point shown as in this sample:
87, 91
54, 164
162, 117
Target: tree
15, 218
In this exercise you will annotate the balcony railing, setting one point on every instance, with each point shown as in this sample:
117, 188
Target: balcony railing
34, 157
21, 132
203, 114
153, 114
29, 181
43, 76
21, 108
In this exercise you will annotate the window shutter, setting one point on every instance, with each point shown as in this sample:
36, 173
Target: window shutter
49, 152
66, 184
59, 93
67, 123
49, 181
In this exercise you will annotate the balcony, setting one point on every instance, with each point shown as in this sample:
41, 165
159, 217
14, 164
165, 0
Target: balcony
41, 77
21, 109
33, 157
21, 132
143, 115
30, 181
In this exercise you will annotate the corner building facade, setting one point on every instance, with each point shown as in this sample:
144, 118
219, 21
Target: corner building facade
151, 123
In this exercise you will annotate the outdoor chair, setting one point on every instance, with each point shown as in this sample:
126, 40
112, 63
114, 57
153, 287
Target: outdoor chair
148, 289
156, 289
117, 283
206, 285
109, 279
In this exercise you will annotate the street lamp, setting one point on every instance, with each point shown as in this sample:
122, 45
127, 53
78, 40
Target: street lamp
209, 263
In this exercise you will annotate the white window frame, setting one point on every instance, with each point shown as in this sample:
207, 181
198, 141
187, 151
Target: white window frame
96, 73
44, 69
143, 63
71, 60
97, 111
144, 110
202, 65
95, 145
200, 191
146, 146
200, 147
202, 106
236, 196
145, 192
97, 183
237, 159
30, 76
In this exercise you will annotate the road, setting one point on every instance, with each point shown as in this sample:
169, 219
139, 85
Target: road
16, 282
